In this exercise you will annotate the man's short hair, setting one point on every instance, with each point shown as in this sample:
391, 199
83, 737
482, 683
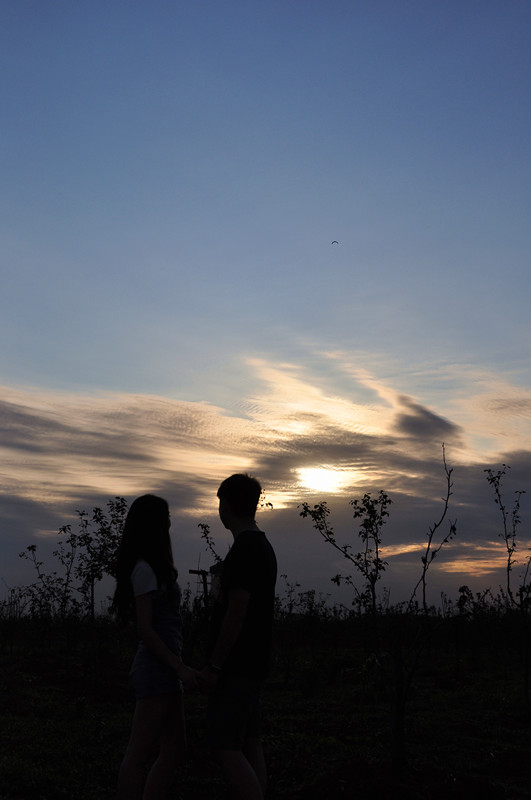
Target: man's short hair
241, 493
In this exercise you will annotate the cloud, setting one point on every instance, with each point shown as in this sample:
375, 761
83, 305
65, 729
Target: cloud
421, 423
63, 451
510, 406
490, 410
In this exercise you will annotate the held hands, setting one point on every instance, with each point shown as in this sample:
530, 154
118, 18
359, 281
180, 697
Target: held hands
205, 680
208, 679
189, 676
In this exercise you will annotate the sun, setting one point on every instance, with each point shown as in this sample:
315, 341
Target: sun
324, 479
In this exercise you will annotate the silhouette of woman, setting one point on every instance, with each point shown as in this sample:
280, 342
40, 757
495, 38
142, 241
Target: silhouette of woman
147, 590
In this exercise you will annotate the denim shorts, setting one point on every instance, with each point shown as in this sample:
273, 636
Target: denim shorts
233, 713
150, 677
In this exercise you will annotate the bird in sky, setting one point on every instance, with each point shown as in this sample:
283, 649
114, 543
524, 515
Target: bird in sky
335, 241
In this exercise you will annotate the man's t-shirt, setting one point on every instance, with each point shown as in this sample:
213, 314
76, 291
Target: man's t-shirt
251, 565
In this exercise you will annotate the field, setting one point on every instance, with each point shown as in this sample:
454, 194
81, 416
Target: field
331, 725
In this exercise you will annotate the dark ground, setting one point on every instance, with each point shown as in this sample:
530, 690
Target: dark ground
66, 711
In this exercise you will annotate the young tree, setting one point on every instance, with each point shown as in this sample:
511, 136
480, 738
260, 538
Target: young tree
52, 594
368, 562
510, 523
97, 541
433, 549
84, 558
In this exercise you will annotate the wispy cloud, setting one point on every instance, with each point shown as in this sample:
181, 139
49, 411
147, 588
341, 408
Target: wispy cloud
63, 444
490, 409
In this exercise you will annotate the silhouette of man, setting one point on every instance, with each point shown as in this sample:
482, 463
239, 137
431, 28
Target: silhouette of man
240, 642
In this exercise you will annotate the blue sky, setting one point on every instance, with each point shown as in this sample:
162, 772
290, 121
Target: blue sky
172, 308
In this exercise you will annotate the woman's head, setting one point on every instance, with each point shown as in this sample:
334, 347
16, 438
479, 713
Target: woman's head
146, 536
147, 528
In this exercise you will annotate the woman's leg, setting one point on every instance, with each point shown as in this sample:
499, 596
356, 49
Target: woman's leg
172, 750
149, 723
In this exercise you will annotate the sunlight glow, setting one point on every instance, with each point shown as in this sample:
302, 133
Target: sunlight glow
325, 479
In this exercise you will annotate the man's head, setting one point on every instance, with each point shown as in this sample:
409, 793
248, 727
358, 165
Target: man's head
238, 497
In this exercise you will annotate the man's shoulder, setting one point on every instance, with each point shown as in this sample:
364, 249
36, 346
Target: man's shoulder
249, 546
251, 540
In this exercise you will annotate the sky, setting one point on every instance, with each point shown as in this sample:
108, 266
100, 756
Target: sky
286, 237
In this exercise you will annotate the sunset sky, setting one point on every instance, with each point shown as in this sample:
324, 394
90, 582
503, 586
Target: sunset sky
172, 308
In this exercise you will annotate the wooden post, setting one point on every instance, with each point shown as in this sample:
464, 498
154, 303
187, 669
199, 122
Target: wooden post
204, 578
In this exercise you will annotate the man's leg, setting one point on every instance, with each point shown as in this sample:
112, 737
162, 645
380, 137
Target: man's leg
254, 753
233, 731
242, 780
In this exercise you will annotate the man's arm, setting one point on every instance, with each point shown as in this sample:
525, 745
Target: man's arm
231, 625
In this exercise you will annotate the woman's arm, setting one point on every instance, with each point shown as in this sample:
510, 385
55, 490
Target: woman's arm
144, 626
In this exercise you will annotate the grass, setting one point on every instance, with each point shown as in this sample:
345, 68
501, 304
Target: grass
66, 711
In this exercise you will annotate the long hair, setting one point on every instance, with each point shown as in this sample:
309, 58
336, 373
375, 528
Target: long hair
146, 536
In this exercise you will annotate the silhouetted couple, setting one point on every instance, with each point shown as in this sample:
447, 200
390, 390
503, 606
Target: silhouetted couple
238, 652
